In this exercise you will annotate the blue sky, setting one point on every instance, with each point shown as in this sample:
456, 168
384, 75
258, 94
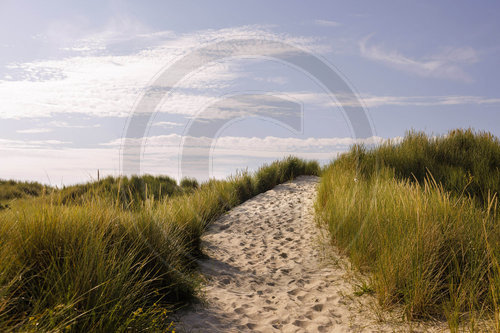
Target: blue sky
71, 74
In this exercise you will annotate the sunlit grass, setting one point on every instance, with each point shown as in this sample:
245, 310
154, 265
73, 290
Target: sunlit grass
93, 263
430, 245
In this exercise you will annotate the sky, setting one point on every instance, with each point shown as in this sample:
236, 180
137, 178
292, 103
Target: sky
101, 85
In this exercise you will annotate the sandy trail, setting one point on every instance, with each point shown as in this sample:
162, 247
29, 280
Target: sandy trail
265, 272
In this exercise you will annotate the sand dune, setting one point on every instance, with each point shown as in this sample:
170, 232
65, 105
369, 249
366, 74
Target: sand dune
265, 272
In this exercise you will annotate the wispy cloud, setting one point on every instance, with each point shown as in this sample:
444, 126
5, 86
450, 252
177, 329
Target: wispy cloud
26, 144
167, 124
65, 165
231, 150
327, 23
275, 79
446, 64
76, 38
64, 124
236, 145
107, 84
373, 101
190, 104
34, 131
377, 101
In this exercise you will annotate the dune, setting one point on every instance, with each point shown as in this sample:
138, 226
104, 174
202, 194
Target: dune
267, 270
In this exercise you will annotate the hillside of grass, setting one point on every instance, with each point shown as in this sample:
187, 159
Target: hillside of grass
11, 189
463, 161
126, 191
115, 255
420, 216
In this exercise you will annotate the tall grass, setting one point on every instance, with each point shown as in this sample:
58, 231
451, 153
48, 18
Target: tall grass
429, 244
463, 161
128, 191
93, 264
89, 267
125, 190
11, 189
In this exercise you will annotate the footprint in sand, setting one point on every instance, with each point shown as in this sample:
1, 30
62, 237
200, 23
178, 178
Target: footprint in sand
265, 256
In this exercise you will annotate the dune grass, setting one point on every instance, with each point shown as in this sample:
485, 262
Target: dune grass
463, 161
127, 191
11, 189
91, 263
421, 217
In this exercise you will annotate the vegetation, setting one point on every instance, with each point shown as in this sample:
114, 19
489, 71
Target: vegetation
11, 189
104, 260
463, 162
189, 184
127, 191
421, 217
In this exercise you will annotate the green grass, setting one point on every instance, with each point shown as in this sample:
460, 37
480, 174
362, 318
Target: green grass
10, 189
421, 217
189, 184
127, 191
104, 261
463, 161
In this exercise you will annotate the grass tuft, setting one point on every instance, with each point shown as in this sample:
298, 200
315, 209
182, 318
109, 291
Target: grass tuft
117, 254
421, 217
11, 189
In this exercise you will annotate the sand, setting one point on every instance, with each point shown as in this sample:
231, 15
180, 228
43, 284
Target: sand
267, 270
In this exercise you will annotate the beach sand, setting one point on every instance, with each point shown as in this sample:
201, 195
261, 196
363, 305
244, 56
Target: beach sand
267, 269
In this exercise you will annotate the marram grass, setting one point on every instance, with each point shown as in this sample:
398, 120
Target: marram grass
92, 263
429, 245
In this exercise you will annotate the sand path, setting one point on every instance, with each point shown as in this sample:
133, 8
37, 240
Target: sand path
265, 272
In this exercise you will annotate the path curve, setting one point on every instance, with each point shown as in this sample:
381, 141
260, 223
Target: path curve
265, 271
